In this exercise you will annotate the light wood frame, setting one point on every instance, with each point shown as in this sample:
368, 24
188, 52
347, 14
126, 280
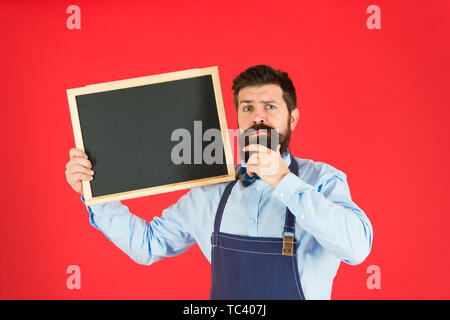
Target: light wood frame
114, 85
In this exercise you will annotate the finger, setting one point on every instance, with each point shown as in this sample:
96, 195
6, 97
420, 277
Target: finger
256, 147
75, 152
265, 161
260, 158
79, 161
253, 160
76, 168
76, 177
251, 170
77, 186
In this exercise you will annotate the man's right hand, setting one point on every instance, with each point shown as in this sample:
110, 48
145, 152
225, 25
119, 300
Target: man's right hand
78, 169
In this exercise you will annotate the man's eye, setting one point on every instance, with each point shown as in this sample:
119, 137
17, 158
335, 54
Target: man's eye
247, 108
271, 106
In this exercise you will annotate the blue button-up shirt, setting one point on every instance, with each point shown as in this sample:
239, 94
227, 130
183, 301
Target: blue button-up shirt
329, 228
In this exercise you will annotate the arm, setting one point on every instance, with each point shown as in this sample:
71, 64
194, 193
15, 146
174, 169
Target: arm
144, 242
329, 214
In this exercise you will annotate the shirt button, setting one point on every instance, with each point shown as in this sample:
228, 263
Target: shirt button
302, 216
282, 195
258, 189
252, 220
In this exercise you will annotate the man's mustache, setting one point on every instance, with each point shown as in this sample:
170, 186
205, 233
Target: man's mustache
259, 126
271, 134
270, 139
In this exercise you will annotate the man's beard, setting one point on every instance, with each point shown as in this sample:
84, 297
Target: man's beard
268, 137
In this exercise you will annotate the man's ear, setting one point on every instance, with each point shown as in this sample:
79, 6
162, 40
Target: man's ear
295, 115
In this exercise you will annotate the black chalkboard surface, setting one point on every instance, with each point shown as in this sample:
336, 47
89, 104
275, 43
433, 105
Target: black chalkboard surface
147, 135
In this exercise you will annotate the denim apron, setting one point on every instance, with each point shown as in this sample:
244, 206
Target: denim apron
254, 268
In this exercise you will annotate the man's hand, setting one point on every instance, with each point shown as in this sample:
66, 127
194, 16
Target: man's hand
267, 164
78, 169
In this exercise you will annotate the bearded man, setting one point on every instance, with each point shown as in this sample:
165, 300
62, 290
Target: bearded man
279, 231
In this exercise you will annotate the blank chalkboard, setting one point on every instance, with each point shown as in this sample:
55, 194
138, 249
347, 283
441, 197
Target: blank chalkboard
130, 132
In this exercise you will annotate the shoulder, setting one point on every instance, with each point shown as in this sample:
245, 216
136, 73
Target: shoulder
317, 173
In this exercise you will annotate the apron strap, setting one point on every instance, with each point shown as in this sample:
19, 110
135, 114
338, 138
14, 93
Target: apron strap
221, 207
289, 224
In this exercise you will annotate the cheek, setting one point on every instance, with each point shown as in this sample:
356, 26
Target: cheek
243, 120
278, 121
282, 123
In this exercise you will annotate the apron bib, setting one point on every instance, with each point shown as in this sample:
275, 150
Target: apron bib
254, 268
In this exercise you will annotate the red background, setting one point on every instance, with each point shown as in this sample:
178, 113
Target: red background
373, 103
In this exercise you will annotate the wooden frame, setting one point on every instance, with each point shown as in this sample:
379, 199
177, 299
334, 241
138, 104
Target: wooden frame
113, 85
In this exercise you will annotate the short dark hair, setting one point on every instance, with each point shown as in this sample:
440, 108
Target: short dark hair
262, 74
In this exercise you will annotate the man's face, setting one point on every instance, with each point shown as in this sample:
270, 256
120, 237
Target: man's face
264, 105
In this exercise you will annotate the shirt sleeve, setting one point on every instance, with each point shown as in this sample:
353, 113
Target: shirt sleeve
144, 242
329, 214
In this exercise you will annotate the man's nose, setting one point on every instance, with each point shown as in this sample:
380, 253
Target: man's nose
259, 116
